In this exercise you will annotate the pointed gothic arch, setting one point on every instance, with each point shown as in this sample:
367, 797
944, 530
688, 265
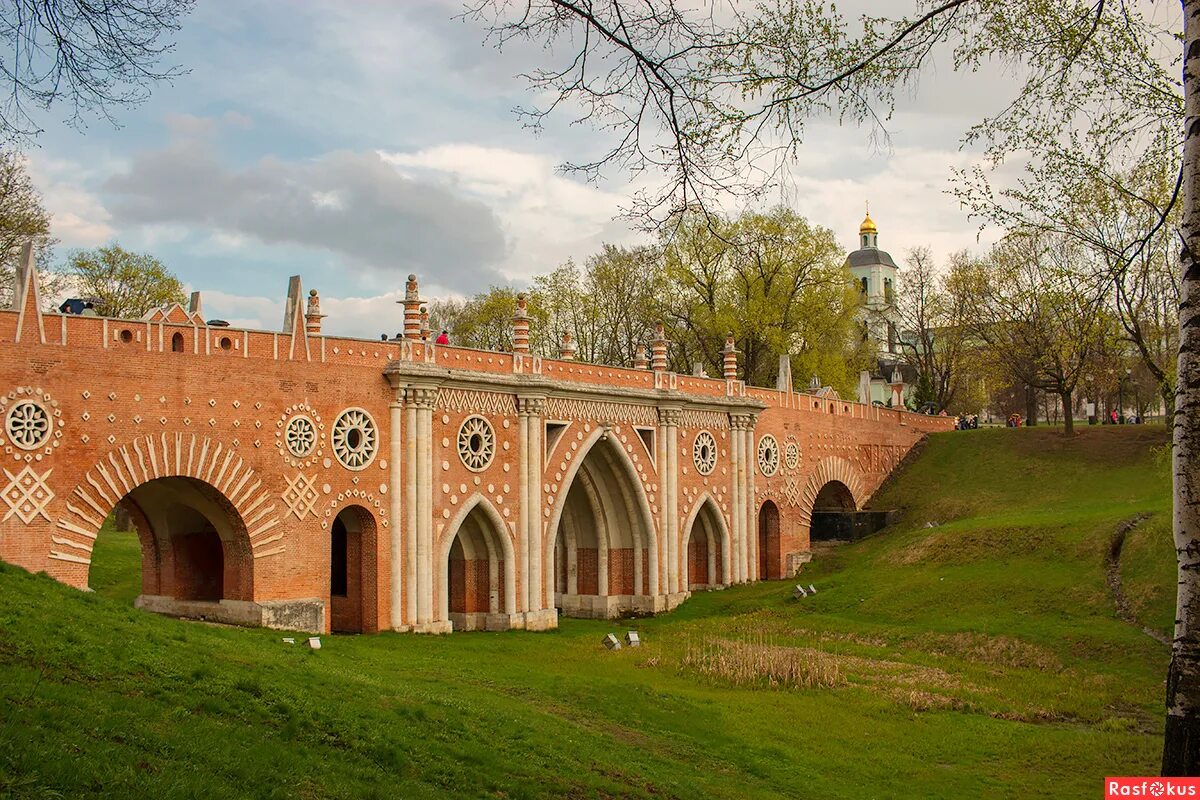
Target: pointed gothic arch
477, 583
706, 546
601, 544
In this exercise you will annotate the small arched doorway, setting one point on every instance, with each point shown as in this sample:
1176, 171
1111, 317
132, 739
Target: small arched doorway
769, 567
832, 513
177, 343
479, 591
704, 562
351, 584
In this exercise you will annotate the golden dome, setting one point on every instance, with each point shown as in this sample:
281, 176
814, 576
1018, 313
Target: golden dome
868, 226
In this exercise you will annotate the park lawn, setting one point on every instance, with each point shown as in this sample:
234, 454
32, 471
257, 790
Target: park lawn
981, 657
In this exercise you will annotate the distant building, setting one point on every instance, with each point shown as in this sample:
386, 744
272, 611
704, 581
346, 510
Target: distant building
875, 272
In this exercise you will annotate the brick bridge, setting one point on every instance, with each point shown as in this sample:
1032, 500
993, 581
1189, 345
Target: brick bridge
291, 479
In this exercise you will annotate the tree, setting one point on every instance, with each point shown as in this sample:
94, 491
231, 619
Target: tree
124, 284
90, 56
22, 218
1119, 200
702, 97
484, 321
1041, 312
777, 283
935, 337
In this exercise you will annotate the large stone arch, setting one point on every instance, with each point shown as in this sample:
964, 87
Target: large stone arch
605, 474
833, 468
499, 551
720, 566
147, 458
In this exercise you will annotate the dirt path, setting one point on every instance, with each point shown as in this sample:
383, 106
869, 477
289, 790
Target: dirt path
1113, 573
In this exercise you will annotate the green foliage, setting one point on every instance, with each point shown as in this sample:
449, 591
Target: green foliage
776, 282
125, 284
23, 217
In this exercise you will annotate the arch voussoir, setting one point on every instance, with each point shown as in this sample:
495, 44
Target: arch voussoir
833, 468
148, 458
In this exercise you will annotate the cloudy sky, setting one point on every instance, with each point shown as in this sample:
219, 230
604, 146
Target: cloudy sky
354, 143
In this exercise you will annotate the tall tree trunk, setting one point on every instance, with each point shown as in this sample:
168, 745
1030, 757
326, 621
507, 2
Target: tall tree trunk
1031, 409
1181, 742
1167, 392
1068, 412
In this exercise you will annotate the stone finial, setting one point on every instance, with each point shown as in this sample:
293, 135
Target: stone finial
658, 349
783, 381
729, 364
520, 323
412, 309
567, 349
312, 314
26, 298
294, 321
640, 361
425, 331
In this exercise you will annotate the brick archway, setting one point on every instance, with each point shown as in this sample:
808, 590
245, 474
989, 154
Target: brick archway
488, 547
353, 579
195, 555
603, 479
149, 458
832, 469
706, 545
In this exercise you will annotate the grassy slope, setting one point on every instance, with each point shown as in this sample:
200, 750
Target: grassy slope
982, 658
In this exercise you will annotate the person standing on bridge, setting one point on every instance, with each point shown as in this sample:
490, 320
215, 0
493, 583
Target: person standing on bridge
443, 337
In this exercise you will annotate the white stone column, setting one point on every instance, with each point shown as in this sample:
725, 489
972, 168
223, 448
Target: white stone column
669, 419
664, 502
537, 600
751, 501
410, 509
738, 512
424, 399
396, 502
538, 596
523, 489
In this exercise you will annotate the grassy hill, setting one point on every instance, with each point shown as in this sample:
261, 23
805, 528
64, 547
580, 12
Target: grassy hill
980, 657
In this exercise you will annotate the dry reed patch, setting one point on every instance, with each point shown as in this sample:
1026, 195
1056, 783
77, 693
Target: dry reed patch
760, 663
999, 651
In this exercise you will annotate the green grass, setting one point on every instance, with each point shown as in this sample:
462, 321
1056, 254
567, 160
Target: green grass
979, 658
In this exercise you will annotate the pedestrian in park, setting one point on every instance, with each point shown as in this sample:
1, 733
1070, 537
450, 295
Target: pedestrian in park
443, 337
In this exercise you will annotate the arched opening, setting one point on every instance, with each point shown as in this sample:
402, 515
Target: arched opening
177, 343
705, 560
478, 592
188, 552
832, 513
352, 541
603, 537
769, 567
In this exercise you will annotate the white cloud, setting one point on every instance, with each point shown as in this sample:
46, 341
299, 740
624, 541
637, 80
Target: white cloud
77, 216
548, 217
377, 219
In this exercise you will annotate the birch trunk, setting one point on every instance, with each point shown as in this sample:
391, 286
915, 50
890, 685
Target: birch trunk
1181, 742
